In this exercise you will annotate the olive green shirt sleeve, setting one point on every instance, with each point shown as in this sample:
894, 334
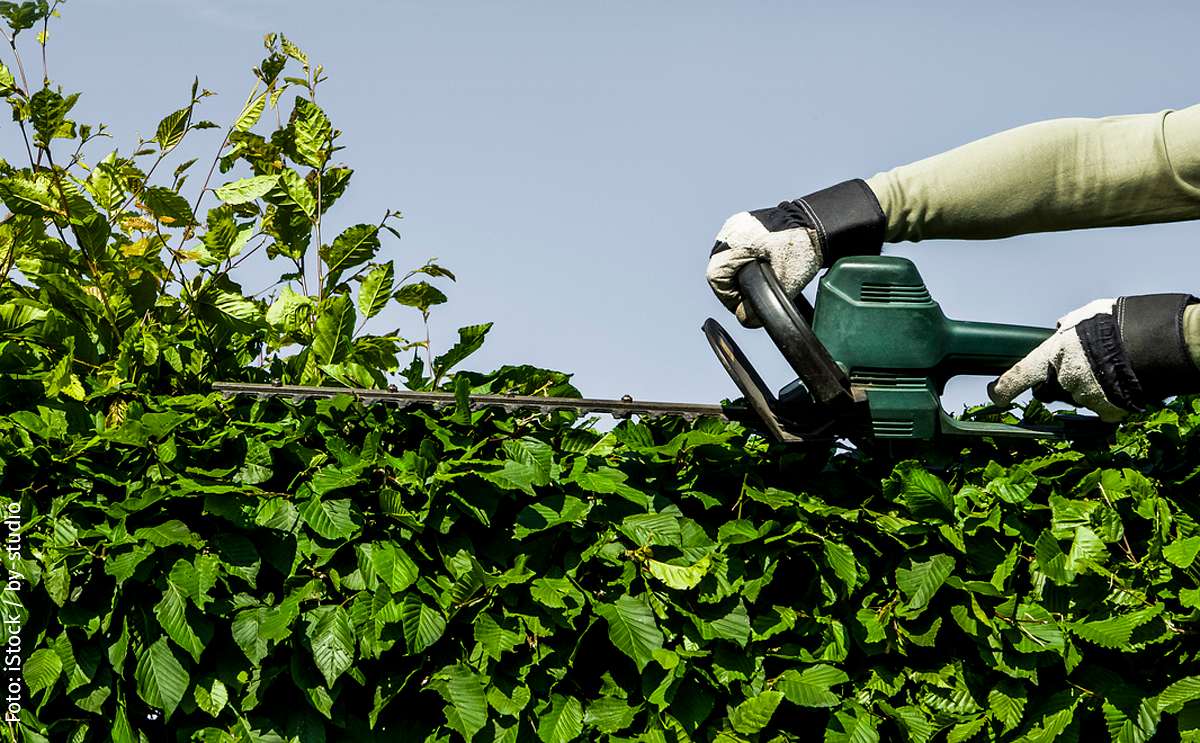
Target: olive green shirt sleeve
1062, 174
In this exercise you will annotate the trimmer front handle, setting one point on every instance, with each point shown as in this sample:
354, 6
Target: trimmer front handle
825, 381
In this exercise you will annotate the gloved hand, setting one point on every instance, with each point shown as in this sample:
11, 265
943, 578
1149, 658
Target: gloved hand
797, 238
1112, 355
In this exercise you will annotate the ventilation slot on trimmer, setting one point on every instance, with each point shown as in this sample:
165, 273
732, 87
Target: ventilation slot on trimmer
880, 379
892, 429
894, 293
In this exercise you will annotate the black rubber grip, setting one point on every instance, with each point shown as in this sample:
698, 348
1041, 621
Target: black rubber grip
811, 361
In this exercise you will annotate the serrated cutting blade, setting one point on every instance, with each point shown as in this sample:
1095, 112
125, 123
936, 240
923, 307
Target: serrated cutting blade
621, 408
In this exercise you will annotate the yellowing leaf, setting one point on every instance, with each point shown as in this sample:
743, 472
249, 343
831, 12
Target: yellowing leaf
677, 576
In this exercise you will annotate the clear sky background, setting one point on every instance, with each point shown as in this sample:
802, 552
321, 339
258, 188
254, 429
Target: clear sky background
572, 161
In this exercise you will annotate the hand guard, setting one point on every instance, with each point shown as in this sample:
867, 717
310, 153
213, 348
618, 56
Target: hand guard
1113, 356
797, 238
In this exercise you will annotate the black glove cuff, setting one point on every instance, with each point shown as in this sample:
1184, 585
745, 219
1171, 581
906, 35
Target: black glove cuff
847, 218
1152, 334
1100, 337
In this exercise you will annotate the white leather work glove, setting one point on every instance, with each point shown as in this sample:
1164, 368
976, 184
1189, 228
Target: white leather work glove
1113, 356
797, 238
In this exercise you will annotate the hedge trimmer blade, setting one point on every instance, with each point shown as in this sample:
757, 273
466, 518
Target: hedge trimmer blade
622, 408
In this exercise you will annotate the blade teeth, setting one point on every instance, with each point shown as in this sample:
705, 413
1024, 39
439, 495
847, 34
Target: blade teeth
441, 401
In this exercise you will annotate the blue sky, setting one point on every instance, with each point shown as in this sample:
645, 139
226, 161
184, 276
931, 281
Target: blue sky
572, 162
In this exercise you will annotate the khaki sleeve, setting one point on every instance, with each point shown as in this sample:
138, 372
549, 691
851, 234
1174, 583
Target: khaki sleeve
1061, 174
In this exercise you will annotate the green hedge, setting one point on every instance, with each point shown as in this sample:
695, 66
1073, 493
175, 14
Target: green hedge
325, 571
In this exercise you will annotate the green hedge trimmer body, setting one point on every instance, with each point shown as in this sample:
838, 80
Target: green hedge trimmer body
873, 357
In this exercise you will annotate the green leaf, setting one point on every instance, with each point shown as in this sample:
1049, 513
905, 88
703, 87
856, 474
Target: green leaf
562, 722
547, 513
420, 295
211, 700
841, 560
313, 133
914, 722
31, 196
375, 289
1007, 704
41, 670
355, 246
247, 189
811, 687
609, 715
224, 238
161, 680
920, 582
256, 467
233, 308
1036, 629
167, 534
171, 129
1052, 561
422, 625
328, 479
335, 330
925, 493
245, 631
1114, 632
1087, 549
394, 567
1134, 721
1015, 487
1177, 694
332, 639
755, 713
60, 379
463, 690
15, 318
299, 192
494, 639
122, 565
48, 112
680, 577
331, 519
509, 705
168, 207
631, 628
23, 16
538, 455
290, 311
1182, 552
171, 612
293, 51
733, 625
250, 113
470, 338
858, 727
965, 731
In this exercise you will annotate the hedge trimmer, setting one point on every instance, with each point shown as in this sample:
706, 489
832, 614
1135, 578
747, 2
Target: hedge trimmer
872, 357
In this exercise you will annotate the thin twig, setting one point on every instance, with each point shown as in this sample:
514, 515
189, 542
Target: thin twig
12, 42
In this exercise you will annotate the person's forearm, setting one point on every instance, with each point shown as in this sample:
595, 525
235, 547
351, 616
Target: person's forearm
1053, 175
